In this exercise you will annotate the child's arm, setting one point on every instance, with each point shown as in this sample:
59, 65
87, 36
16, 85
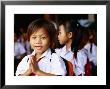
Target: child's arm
41, 73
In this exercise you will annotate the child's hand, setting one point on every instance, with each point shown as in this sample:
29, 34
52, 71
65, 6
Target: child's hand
33, 65
28, 72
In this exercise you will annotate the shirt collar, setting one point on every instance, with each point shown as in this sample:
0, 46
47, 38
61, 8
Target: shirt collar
65, 51
47, 53
87, 46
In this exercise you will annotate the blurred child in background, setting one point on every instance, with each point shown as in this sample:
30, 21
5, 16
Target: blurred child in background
84, 63
91, 46
19, 51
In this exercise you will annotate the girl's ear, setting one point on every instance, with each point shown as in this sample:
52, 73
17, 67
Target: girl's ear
70, 35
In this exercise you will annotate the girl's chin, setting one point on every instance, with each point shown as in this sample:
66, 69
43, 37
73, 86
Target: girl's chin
39, 51
62, 43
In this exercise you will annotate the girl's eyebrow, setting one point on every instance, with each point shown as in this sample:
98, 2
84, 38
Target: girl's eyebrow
43, 35
40, 35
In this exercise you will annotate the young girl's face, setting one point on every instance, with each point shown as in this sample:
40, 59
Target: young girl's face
62, 36
40, 41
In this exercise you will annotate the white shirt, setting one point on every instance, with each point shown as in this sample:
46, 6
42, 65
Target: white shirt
82, 56
66, 54
18, 50
80, 62
92, 55
50, 63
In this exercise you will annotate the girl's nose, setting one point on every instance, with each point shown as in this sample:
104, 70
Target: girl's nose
38, 41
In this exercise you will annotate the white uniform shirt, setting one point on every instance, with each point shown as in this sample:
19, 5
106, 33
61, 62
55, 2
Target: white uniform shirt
50, 63
82, 56
80, 62
18, 50
92, 55
66, 54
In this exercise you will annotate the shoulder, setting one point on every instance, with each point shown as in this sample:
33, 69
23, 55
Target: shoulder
84, 51
26, 58
82, 54
54, 56
57, 50
60, 50
94, 46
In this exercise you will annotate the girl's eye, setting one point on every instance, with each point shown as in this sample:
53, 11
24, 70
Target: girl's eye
43, 38
34, 37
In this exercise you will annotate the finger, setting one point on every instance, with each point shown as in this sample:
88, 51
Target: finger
32, 61
31, 58
34, 57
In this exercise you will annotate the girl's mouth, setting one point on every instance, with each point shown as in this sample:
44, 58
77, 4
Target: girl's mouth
38, 47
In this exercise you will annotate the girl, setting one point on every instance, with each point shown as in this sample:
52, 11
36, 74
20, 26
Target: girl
66, 36
74, 39
91, 47
42, 62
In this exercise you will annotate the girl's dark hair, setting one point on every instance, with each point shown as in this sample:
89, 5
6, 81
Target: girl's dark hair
83, 38
41, 23
83, 34
69, 24
93, 31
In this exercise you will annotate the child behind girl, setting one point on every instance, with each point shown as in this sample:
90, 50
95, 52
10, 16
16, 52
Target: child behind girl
19, 51
42, 62
84, 49
91, 47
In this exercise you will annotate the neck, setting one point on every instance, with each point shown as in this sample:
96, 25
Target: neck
38, 55
68, 44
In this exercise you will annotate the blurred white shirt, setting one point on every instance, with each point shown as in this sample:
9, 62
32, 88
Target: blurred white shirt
92, 55
80, 62
82, 56
18, 50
